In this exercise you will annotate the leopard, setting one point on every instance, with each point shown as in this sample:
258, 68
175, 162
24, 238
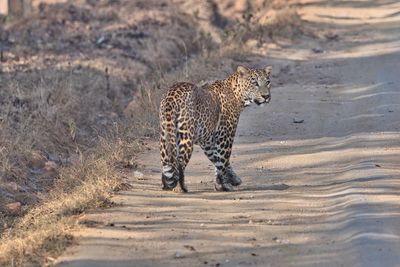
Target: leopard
207, 115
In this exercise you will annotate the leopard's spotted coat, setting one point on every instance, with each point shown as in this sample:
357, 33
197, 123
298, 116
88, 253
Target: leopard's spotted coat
208, 116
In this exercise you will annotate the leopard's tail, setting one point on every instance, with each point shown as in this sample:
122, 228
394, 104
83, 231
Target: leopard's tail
171, 169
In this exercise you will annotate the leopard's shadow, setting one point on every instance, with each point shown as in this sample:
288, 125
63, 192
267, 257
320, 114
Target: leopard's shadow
278, 187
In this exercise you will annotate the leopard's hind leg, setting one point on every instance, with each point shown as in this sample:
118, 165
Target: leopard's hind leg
170, 172
168, 146
185, 148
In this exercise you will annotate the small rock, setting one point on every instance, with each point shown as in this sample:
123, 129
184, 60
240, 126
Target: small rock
317, 50
138, 175
13, 208
283, 241
50, 165
332, 36
178, 255
295, 120
251, 222
189, 247
102, 39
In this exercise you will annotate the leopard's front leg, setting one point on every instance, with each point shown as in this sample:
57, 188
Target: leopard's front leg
223, 141
233, 178
218, 151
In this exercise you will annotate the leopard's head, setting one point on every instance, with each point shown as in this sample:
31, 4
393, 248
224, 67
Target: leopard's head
254, 85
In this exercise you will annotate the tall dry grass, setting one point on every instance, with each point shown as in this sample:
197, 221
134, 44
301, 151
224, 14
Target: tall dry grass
66, 117
87, 184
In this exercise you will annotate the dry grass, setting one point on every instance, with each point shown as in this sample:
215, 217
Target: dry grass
88, 184
85, 134
266, 24
69, 118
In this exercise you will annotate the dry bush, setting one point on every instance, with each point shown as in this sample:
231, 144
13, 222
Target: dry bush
55, 113
68, 118
87, 184
71, 115
262, 21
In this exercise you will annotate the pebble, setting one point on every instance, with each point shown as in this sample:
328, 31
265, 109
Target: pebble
50, 166
138, 175
282, 241
13, 208
295, 120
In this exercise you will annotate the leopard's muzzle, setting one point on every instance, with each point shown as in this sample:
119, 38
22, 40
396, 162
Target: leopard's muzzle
264, 99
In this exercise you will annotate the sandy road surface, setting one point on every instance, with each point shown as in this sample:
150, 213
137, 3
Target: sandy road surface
325, 192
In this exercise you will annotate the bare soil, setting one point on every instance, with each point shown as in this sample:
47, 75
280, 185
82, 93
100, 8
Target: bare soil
320, 164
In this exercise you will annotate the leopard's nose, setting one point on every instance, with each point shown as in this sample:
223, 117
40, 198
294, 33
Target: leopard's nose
268, 96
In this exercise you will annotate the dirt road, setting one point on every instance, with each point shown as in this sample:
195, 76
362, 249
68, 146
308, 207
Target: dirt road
323, 192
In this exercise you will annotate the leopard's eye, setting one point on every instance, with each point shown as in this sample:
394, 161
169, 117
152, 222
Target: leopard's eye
254, 82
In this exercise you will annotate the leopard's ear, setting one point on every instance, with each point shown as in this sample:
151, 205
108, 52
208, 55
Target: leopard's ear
242, 70
268, 70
